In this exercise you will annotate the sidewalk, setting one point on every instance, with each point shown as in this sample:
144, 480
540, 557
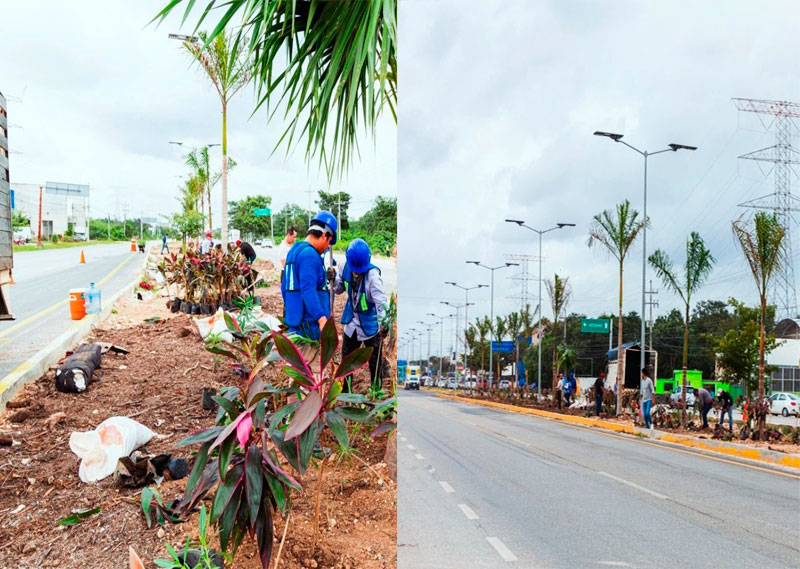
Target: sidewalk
705, 446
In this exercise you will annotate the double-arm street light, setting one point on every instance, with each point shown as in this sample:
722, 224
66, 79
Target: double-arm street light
466, 290
441, 338
540, 232
455, 345
672, 148
491, 305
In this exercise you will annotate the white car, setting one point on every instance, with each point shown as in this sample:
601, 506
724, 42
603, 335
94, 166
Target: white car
504, 384
675, 398
452, 383
267, 243
784, 403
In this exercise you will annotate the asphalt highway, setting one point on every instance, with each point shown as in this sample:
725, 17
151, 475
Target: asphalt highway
40, 296
481, 488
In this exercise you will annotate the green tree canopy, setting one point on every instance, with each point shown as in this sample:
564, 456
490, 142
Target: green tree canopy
381, 217
337, 203
241, 215
291, 215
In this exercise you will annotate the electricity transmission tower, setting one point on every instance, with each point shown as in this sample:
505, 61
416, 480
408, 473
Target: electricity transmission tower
524, 277
781, 200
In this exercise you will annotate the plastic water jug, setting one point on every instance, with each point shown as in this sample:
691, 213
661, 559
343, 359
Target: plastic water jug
92, 300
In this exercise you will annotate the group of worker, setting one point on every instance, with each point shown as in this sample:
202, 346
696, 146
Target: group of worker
306, 291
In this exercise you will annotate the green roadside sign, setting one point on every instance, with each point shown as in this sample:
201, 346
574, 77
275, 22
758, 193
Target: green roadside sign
261, 212
595, 325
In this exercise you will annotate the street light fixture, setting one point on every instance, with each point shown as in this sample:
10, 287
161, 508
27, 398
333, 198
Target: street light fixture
672, 148
466, 290
441, 338
491, 306
541, 232
465, 306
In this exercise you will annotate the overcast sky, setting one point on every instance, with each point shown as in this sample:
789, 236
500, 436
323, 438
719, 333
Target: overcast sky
103, 93
496, 122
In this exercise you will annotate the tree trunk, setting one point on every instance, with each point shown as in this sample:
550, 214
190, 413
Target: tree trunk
685, 362
620, 359
224, 213
555, 350
761, 365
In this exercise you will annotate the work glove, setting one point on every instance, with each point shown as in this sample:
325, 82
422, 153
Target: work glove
331, 274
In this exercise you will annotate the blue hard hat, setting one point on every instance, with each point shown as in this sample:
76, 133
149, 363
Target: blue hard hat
358, 256
328, 222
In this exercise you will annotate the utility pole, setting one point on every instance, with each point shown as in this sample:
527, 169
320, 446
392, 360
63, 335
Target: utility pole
141, 225
309, 191
39, 236
651, 303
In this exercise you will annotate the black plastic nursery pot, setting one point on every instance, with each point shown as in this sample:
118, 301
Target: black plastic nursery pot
208, 403
186, 307
195, 308
175, 305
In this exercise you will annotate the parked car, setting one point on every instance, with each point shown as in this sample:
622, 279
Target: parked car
675, 398
257, 242
784, 403
267, 243
441, 382
504, 384
452, 383
412, 383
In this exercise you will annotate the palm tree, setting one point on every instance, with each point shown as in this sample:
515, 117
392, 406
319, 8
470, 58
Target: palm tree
616, 231
763, 247
469, 343
514, 325
333, 65
499, 331
484, 328
199, 162
699, 263
229, 70
559, 291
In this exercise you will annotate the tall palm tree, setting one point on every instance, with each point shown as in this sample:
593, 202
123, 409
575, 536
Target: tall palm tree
616, 231
514, 325
559, 291
469, 343
499, 331
333, 65
227, 67
484, 328
197, 159
763, 247
699, 263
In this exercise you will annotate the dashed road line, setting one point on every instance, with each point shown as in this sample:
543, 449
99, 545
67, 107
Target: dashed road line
404, 439
519, 441
411, 447
501, 548
446, 486
468, 512
419, 456
633, 485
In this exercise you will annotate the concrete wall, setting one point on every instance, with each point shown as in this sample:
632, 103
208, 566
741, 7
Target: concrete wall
58, 209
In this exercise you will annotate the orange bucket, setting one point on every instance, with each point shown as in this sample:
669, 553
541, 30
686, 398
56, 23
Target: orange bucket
77, 303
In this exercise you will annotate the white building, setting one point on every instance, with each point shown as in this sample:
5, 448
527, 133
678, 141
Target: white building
786, 357
62, 205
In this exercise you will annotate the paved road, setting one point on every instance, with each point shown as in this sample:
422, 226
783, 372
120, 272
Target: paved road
481, 488
387, 266
43, 279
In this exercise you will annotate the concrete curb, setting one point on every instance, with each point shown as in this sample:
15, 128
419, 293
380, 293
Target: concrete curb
40, 363
706, 446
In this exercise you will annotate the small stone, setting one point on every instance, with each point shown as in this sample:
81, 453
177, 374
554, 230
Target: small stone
95, 412
331, 523
161, 533
51, 479
123, 366
28, 548
25, 460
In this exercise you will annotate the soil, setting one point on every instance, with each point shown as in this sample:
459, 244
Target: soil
782, 445
159, 384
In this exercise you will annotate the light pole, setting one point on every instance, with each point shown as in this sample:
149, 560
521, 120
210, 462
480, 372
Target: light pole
491, 305
428, 327
441, 338
672, 148
539, 328
466, 290
455, 346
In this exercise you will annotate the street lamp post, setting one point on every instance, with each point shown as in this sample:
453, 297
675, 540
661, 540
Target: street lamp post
455, 345
672, 148
441, 338
539, 357
491, 306
428, 327
466, 290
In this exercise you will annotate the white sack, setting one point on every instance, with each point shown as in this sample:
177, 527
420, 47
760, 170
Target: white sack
100, 449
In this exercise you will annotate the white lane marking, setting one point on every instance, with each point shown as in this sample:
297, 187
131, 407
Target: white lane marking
404, 439
615, 563
468, 512
501, 548
419, 456
411, 447
431, 469
519, 441
633, 485
446, 486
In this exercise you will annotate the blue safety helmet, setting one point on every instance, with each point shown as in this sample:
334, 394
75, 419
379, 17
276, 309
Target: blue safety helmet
358, 256
325, 221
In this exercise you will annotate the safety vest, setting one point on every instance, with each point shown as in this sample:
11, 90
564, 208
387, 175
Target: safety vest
294, 313
357, 301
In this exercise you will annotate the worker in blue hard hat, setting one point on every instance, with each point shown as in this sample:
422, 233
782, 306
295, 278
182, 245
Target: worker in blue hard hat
304, 283
364, 309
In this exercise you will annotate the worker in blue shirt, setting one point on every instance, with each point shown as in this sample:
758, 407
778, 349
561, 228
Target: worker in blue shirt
304, 283
364, 309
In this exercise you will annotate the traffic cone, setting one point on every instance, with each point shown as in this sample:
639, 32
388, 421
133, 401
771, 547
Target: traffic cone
11, 277
83, 259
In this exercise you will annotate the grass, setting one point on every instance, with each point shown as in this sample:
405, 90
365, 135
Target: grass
61, 245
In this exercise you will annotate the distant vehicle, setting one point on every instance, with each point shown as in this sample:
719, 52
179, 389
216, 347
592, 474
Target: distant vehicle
267, 243
257, 242
441, 382
784, 403
412, 383
675, 398
452, 383
504, 384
